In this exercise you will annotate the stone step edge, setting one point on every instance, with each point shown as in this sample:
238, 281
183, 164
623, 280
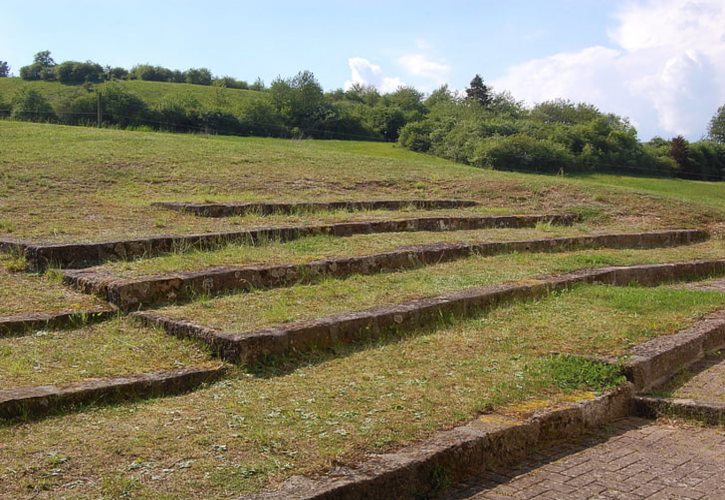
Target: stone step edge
423, 469
709, 413
129, 294
21, 324
653, 363
79, 255
345, 328
227, 209
37, 401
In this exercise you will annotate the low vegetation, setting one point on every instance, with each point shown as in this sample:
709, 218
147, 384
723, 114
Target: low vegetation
98, 184
22, 293
248, 431
119, 347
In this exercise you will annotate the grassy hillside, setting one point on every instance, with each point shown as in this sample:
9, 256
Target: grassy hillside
151, 92
69, 183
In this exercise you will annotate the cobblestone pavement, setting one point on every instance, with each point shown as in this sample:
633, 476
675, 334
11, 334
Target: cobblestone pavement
707, 382
634, 459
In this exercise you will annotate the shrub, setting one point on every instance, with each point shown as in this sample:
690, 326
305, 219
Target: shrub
198, 76
123, 107
73, 72
79, 110
522, 152
5, 108
230, 83
179, 113
259, 117
30, 105
416, 136
116, 73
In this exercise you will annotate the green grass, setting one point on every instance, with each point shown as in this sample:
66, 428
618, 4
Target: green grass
61, 183
247, 432
711, 194
22, 293
151, 92
112, 348
247, 311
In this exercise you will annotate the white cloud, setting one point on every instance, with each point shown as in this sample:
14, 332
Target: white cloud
425, 72
663, 71
366, 73
422, 66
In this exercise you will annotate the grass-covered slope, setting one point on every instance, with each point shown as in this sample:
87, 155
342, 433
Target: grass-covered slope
151, 92
61, 183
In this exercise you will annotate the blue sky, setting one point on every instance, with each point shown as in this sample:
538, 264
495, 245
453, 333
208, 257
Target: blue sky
594, 50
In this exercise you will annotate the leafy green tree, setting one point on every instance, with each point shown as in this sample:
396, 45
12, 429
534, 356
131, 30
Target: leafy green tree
716, 128
299, 100
41, 69
4, 69
30, 105
479, 92
441, 95
43, 58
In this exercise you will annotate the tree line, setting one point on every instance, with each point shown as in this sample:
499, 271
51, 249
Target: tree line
480, 127
489, 129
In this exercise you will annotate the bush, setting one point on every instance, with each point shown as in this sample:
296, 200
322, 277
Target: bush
259, 117
522, 152
117, 73
416, 136
30, 105
155, 74
79, 110
37, 71
230, 83
123, 107
73, 72
5, 108
198, 76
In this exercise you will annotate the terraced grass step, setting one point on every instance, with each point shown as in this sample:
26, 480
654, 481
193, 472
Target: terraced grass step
39, 256
33, 402
258, 345
172, 288
112, 348
210, 209
23, 294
